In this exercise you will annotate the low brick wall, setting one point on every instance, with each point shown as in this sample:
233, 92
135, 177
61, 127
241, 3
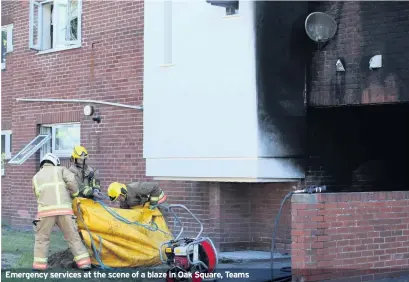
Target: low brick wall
350, 236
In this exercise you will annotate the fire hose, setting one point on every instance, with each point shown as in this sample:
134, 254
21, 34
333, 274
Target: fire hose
309, 190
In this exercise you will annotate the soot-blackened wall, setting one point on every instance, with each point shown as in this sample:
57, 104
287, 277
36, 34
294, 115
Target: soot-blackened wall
282, 53
362, 148
365, 29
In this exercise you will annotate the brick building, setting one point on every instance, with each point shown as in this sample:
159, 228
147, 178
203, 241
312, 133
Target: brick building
358, 146
108, 66
316, 114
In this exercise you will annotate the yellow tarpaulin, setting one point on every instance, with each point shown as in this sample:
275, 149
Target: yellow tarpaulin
120, 244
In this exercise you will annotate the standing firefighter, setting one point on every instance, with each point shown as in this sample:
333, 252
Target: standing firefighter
52, 186
84, 174
137, 193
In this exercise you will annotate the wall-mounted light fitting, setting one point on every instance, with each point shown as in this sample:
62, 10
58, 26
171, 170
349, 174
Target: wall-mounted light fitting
375, 62
88, 110
339, 66
97, 119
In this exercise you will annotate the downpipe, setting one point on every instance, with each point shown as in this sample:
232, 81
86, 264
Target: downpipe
309, 190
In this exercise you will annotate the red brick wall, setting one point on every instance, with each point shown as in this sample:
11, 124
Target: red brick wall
109, 67
235, 215
350, 236
109, 70
265, 204
245, 214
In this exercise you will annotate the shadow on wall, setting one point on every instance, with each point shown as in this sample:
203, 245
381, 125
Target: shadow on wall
365, 29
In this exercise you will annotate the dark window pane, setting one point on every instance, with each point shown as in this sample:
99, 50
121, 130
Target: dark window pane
3, 144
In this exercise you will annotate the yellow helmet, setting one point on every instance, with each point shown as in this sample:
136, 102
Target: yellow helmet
79, 152
116, 189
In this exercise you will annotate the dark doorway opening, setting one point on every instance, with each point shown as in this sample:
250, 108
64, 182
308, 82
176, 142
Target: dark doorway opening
362, 148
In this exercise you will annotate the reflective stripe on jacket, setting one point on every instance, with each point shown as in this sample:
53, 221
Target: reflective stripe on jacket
52, 186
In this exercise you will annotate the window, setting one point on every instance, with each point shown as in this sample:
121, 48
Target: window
63, 138
5, 147
55, 24
7, 34
6, 143
29, 149
7, 43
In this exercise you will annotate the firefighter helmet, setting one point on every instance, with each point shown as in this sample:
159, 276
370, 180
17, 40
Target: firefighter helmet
80, 153
116, 189
50, 158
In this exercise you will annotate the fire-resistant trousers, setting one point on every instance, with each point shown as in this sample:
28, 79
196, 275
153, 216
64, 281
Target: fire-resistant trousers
68, 226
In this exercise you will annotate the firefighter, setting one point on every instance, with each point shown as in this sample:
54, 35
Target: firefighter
137, 193
52, 186
84, 174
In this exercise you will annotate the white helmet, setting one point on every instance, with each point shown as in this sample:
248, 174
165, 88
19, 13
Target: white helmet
52, 158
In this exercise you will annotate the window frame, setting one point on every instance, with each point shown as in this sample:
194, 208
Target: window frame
68, 43
9, 30
30, 152
9, 43
7, 143
54, 127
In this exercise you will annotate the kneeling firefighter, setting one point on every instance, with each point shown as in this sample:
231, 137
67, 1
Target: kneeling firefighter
52, 186
84, 174
137, 193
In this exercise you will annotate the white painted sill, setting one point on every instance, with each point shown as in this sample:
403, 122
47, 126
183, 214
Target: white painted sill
167, 65
57, 50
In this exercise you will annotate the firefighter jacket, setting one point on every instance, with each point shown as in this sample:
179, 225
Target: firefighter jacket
53, 187
82, 180
141, 192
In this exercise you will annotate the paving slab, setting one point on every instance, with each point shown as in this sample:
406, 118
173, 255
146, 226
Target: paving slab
254, 271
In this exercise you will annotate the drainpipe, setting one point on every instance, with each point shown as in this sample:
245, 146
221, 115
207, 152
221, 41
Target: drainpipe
79, 101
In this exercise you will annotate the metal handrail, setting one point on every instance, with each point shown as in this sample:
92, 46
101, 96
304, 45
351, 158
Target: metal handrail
169, 208
194, 217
